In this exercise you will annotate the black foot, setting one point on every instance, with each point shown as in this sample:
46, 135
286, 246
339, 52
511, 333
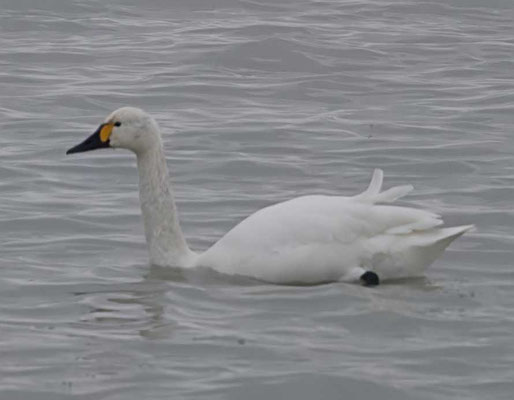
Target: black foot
369, 278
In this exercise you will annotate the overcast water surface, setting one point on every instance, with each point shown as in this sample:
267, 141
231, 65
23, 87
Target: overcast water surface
258, 101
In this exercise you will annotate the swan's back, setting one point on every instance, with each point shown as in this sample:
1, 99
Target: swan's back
313, 239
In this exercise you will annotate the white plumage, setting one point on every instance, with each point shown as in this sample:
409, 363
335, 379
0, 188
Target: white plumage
307, 240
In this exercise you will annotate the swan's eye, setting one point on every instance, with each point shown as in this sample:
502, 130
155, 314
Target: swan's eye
117, 123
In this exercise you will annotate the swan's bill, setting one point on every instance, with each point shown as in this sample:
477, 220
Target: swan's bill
98, 140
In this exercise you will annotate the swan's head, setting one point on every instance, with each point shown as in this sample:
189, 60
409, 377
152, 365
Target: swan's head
128, 128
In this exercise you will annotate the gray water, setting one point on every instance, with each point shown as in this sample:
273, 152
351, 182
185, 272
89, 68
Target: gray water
259, 101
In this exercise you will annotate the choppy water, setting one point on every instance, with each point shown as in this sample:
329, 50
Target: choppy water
259, 101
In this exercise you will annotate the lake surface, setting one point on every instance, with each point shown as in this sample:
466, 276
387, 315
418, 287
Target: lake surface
259, 101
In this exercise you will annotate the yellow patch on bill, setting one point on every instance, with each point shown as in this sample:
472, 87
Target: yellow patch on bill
105, 132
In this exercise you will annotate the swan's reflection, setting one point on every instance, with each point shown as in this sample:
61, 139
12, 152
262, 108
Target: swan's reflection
158, 304
166, 300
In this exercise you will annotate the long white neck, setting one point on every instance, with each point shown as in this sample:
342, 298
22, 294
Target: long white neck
164, 237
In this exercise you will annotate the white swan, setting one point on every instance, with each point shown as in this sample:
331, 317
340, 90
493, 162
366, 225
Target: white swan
306, 240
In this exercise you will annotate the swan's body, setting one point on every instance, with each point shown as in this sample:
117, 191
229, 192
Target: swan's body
308, 239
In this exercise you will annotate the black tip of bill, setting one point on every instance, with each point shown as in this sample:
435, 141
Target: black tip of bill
75, 149
369, 278
93, 142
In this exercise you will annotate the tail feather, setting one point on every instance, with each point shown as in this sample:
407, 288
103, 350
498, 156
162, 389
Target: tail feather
427, 246
409, 256
373, 195
448, 235
424, 224
393, 194
376, 183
